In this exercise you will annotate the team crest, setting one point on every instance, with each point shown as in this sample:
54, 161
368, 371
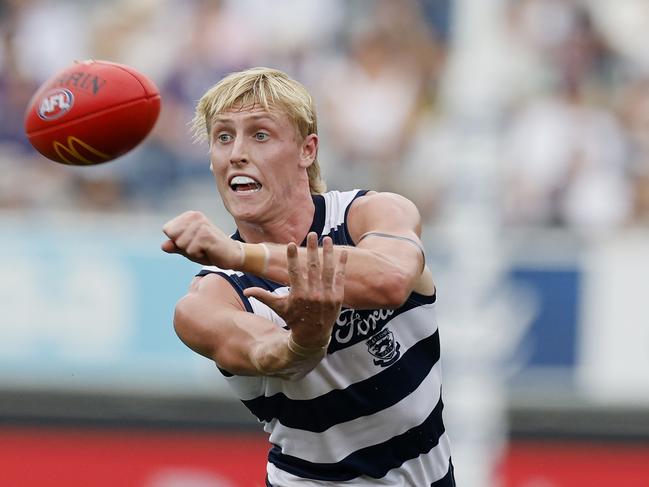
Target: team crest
384, 348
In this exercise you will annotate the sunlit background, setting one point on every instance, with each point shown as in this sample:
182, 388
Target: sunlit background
520, 128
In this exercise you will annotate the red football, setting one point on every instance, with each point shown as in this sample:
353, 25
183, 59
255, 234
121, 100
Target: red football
91, 112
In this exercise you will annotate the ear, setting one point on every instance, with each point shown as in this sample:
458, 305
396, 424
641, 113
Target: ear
309, 150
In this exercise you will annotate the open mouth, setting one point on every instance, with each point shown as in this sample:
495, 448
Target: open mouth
244, 184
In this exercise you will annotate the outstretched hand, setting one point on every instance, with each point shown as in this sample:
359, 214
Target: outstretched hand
312, 306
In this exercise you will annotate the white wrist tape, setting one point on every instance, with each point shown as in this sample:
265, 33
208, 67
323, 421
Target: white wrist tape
255, 258
306, 352
287, 359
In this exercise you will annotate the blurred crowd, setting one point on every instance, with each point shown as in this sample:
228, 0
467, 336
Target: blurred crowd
572, 124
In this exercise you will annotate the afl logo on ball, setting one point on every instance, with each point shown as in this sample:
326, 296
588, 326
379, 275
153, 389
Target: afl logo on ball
55, 103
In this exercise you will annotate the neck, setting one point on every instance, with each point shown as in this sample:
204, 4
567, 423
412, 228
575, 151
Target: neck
293, 225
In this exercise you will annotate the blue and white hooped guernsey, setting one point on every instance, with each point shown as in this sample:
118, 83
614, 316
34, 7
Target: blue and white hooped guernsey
370, 413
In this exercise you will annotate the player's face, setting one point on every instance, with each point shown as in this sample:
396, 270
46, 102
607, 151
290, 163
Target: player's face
258, 161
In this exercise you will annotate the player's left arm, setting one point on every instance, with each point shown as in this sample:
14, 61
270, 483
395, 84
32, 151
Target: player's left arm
388, 262
383, 269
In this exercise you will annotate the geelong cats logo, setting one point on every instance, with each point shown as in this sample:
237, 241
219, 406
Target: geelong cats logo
384, 348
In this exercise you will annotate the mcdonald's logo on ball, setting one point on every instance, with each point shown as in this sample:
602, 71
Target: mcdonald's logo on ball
76, 152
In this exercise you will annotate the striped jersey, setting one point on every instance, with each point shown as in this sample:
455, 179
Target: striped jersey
370, 413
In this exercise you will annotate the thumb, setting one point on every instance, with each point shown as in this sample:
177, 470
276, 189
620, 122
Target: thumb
269, 299
169, 247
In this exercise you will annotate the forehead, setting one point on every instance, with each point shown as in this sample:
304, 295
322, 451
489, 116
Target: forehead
251, 113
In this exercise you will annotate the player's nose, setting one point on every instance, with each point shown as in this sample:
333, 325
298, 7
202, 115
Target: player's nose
239, 153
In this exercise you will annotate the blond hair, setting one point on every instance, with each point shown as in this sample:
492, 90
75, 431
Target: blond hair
268, 88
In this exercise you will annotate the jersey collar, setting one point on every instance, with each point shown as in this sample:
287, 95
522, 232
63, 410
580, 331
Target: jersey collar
317, 225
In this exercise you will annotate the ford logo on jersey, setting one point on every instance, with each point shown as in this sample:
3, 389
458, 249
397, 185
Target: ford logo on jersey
353, 326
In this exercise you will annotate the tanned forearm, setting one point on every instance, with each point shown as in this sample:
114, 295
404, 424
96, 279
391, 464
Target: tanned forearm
373, 280
274, 357
240, 342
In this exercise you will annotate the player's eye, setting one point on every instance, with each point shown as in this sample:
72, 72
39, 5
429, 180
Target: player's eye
224, 138
261, 136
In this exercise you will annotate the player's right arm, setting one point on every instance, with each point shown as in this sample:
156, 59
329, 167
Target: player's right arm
212, 321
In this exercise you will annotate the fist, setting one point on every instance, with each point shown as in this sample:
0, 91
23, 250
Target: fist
194, 236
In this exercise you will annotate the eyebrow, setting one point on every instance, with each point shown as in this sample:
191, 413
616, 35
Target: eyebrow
254, 117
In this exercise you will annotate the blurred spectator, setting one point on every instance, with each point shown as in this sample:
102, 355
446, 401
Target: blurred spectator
634, 113
372, 98
148, 34
640, 212
49, 35
25, 182
565, 151
571, 160
625, 24
565, 166
16, 86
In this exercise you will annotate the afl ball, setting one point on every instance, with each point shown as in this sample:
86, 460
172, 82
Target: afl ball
91, 112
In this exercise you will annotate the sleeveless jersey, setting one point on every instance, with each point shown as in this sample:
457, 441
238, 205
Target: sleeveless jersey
370, 413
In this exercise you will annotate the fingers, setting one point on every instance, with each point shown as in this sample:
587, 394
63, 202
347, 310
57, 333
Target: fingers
192, 235
169, 247
320, 277
269, 299
312, 260
294, 272
328, 264
187, 236
175, 226
313, 303
174, 229
339, 284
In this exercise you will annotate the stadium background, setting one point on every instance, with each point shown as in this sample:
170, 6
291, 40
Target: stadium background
521, 130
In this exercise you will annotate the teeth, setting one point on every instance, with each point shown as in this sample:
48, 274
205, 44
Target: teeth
244, 184
242, 180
